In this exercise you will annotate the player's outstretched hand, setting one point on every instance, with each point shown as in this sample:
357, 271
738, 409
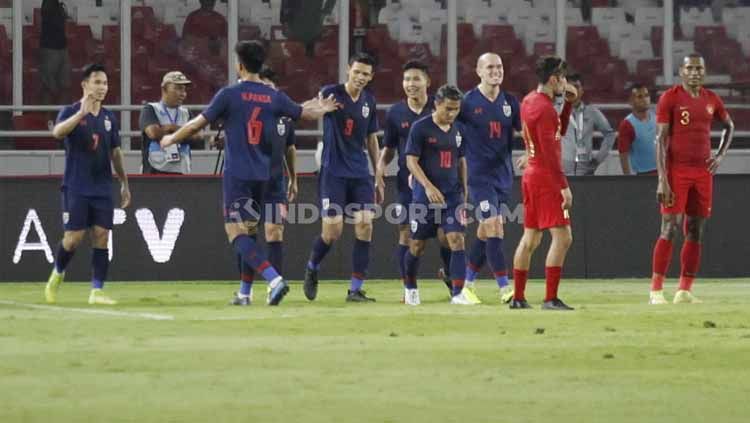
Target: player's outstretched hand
329, 103
522, 162
124, 196
571, 93
664, 194
434, 195
567, 198
291, 191
714, 162
166, 141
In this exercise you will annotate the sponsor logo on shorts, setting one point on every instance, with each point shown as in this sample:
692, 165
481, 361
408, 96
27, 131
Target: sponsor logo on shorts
414, 226
326, 203
484, 206
399, 209
66, 218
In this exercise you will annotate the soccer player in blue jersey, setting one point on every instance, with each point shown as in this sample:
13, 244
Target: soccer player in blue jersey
248, 108
398, 121
489, 115
346, 186
283, 154
92, 139
435, 157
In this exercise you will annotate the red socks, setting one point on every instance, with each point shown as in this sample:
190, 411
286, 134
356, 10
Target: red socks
553, 281
662, 257
690, 260
519, 284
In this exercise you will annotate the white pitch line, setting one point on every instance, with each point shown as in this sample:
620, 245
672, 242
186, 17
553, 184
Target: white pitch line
150, 316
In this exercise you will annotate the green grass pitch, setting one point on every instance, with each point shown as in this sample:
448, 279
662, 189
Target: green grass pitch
175, 352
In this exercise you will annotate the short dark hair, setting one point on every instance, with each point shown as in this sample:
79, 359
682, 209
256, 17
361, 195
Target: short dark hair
448, 92
637, 86
548, 66
251, 54
694, 56
575, 77
416, 64
363, 58
269, 74
91, 68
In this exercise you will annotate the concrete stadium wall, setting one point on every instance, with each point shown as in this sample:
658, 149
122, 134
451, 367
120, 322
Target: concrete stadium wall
174, 231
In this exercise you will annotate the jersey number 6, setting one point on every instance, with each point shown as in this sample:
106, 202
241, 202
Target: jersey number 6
254, 127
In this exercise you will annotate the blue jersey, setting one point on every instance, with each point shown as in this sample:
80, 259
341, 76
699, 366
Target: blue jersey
439, 153
88, 152
345, 133
246, 109
280, 137
488, 127
398, 121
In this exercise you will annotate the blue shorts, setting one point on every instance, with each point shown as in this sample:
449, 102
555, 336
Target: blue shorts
243, 199
275, 201
402, 207
339, 195
82, 212
447, 218
487, 198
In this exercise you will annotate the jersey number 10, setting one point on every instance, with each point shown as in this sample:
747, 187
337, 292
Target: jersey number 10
254, 127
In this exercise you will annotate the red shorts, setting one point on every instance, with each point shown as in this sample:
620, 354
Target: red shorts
542, 204
693, 191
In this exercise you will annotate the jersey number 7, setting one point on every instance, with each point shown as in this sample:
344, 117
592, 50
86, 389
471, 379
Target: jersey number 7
254, 127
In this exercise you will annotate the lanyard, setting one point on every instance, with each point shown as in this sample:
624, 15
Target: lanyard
578, 126
176, 114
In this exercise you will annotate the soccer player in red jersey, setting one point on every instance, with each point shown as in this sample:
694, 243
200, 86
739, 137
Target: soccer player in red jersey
686, 166
546, 195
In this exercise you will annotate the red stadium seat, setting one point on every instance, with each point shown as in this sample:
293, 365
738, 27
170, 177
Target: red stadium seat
248, 32
544, 49
33, 122
657, 37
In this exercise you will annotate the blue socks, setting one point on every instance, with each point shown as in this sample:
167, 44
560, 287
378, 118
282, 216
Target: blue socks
319, 251
248, 249
401, 251
100, 264
458, 265
247, 276
445, 256
63, 258
496, 257
360, 260
275, 254
411, 264
477, 257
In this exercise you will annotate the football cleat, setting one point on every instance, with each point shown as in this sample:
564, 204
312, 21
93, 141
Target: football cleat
359, 296
411, 297
657, 298
556, 304
462, 299
97, 297
240, 300
519, 304
310, 285
278, 292
506, 294
471, 294
686, 297
53, 285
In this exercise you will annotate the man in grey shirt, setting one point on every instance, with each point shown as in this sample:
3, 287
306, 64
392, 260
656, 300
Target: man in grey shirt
577, 144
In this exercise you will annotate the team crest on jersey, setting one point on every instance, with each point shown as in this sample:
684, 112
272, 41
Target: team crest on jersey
507, 110
710, 109
107, 124
365, 110
458, 140
281, 128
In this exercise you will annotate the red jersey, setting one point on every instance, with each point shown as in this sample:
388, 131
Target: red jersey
689, 120
542, 129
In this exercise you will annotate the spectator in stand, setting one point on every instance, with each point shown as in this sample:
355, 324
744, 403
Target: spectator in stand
303, 20
54, 64
205, 23
636, 135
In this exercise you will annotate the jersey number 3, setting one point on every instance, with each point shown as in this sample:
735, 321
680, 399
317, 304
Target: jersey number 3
254, 127
685, 117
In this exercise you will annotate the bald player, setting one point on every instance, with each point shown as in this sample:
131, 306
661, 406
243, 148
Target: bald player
489, 115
